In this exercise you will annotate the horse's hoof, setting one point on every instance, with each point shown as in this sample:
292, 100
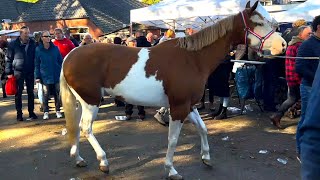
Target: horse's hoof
82, 164
104, 169
175, 177
207, 162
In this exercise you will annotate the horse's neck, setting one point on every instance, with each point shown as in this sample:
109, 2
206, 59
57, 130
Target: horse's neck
211, 56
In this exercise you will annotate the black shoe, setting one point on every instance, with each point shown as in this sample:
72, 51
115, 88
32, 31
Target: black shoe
222, 115
142, 116
4, 96
32, 116
19, 117
216, 113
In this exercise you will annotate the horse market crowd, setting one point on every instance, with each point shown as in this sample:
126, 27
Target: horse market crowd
36, 61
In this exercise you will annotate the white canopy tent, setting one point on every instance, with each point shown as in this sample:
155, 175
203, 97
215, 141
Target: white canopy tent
307, 10
195, 14
10, 32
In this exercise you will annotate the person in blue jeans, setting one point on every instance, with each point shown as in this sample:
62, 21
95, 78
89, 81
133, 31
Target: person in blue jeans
48, 63
306, 68
310, 135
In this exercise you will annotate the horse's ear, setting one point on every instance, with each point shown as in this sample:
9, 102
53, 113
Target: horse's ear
254, 7
248, 4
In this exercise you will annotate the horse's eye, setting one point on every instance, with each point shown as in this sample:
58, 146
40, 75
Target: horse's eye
260, 24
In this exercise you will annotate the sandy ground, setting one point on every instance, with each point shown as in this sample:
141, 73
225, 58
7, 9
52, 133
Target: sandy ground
136, 149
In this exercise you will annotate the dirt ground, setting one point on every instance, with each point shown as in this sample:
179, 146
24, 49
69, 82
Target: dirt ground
136, 149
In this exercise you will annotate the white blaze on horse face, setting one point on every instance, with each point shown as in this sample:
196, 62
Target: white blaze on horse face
137, 89
275, 43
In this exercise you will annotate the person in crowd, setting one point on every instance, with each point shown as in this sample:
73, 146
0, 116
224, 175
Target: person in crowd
293, 79
65, 45
3, 49
119, 103
310, 134
131, 42
48, 64
290, 32
306, 69
150, 38
3, 42
141, 41
20, 63
190, 31
156, 39
169, 34
211, 96
87, 39
68, 35
162, 114
107, 41
37, 38
117, 40
218, 82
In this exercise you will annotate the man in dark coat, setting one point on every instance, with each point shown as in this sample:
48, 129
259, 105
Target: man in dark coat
141, 42
20, 63
307, 70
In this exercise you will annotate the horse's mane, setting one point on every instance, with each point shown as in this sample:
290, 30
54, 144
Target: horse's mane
207, 35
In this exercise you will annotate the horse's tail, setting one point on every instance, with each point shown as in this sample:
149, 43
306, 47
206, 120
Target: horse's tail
69, 103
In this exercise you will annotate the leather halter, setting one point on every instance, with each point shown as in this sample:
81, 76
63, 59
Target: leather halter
249, 31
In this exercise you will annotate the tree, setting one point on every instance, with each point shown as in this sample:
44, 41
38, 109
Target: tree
150, 1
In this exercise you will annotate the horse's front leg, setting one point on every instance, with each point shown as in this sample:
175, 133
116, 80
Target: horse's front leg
196, 119
89, 114
174, 132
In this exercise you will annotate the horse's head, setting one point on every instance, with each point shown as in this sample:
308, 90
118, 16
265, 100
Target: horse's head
259, 32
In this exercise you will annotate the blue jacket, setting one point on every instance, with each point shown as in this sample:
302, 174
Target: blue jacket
18, 61
48, 64
304, 67
310, 135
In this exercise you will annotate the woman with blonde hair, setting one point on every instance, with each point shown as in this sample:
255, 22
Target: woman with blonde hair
169, 34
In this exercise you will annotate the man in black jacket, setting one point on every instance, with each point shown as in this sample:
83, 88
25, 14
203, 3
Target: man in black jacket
20, 63
141, 42
307, 70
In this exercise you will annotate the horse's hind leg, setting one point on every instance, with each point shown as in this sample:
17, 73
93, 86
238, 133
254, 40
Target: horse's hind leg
74, 152
196, 119
89, 114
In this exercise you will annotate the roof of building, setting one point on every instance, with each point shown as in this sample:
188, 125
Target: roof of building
10, 9
108, 15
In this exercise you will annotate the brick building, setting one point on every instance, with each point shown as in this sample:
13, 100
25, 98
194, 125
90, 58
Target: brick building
97, 17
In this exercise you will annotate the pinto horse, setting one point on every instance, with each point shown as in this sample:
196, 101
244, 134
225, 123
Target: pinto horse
172, 74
